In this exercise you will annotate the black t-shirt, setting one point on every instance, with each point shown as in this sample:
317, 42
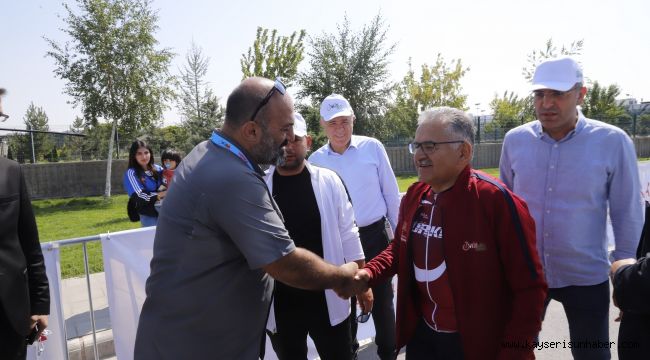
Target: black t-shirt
296, 199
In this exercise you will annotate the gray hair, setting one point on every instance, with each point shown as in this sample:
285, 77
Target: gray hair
458, 122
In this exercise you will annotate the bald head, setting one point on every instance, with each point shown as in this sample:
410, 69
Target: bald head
243, 101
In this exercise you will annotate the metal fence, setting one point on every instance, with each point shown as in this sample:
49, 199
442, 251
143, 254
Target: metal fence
42, 147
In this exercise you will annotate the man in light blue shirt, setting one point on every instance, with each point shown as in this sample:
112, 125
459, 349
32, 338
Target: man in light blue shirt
569, 169
363, 165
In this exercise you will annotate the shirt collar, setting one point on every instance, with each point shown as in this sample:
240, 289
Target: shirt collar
255, 166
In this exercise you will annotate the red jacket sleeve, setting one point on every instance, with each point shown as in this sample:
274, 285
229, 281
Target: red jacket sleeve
524, 274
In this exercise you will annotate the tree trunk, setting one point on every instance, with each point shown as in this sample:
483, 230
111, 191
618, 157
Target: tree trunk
109, 162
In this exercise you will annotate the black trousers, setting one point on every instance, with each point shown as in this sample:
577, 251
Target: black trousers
428, 344
290, 342
587, 311
374, 240
12, 345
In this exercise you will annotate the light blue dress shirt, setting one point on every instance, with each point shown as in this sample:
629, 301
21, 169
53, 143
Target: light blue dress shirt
568, 185
368, 176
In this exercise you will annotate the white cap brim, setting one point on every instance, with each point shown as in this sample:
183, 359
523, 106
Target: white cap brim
346, 112
552, 85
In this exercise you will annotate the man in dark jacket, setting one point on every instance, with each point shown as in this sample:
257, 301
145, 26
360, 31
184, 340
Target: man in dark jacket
470, 283
24, 291
631, 280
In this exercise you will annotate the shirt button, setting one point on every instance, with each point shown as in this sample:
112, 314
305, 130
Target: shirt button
545, 234
548, 211
550, 189
552, 166
556, 145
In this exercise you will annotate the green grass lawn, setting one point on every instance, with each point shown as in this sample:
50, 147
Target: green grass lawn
60, 219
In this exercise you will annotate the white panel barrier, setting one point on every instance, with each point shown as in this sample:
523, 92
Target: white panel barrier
55, 347
126, 264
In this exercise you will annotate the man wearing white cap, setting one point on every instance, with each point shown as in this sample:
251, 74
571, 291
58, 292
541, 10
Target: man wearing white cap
363, 165
319, 216
571, 170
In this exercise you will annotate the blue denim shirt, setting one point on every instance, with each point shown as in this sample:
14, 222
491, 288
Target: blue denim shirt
568, 185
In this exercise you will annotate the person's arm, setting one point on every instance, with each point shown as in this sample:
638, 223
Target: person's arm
631, 282
625, 202
523, 271
505, 169
305, 270
133, 185
388, 184
39, 292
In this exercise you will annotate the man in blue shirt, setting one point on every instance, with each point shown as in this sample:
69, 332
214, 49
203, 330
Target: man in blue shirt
363, 165
571, 170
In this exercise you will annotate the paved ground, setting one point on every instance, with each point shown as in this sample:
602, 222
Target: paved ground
76, 312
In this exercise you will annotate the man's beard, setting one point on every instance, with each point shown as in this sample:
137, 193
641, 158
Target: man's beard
267, 152
283, 164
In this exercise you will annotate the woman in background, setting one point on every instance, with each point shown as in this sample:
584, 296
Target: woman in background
142, 181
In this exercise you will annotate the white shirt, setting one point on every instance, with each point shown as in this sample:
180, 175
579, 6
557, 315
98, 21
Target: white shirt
341, 243
366, 171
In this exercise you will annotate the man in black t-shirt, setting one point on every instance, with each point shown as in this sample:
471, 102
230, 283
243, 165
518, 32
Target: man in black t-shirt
319, 217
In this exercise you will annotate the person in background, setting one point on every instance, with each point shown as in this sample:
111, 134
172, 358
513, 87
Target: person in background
24, 289
142, 181
170, 160
319, 216
363, 165
572, 171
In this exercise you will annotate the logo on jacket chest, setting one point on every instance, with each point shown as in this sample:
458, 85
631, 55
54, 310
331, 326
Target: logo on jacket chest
475, 246
428, 230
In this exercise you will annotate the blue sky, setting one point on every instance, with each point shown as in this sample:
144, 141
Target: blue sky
491, 37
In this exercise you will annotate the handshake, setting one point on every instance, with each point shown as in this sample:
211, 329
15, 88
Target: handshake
356, 283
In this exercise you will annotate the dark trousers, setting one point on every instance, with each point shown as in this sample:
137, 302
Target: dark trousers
374, 240
587, 311
12, 345
290, 342
634, 336
428, 344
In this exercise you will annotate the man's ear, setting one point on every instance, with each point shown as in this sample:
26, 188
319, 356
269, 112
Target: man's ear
250, 131
308, 143
466, 151
581, 95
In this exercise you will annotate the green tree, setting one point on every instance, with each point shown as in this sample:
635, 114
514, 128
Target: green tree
272, 55
112, 66
536, 57
437, 85
510, 111
600, 103
200, 108
35, 119
354, 65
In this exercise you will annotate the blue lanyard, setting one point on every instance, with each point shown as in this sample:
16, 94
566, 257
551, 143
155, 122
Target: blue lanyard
224, 143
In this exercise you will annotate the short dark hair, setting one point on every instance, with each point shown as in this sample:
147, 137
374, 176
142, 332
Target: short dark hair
171, 154
242, 102
3, 91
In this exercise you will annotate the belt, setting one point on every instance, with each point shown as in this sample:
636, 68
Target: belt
379, 224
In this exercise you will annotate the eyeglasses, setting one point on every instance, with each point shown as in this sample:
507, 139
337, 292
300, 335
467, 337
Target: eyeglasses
539, 95
279, 87
363, 318
3, 117
429, 147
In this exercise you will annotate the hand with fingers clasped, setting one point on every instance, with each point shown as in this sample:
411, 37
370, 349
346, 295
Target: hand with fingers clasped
353, 285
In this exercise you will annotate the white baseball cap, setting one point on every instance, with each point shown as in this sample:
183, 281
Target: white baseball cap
333, 106
559, 74
299, 125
